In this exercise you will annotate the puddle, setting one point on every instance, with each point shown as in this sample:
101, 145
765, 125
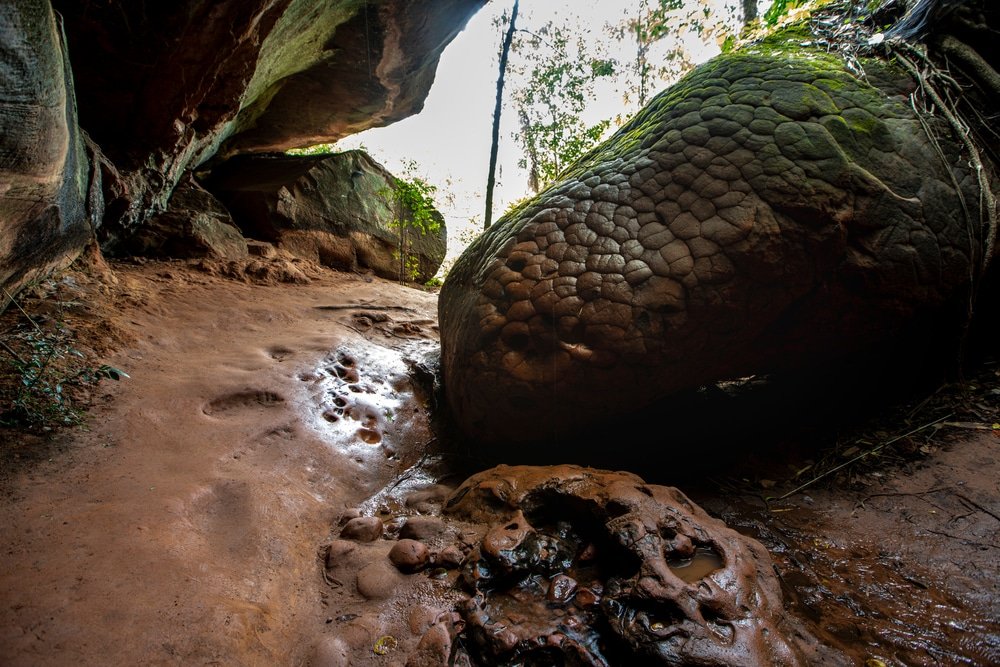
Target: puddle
692, 570
368, 401
358, 395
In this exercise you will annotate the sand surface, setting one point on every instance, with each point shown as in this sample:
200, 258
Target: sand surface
182, 524
186, 521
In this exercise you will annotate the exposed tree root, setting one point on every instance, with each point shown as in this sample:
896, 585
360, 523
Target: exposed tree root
988, 204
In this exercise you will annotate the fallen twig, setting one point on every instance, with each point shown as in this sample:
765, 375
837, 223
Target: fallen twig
387, 490
12, 300
362, 306
862, 455
408, 473
972, 426
905, 493
961, 539
13, 353
973, 503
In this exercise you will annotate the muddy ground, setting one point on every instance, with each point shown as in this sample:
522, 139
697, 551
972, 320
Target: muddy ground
188, 519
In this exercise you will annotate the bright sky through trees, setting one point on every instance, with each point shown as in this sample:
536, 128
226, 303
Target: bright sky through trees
450, 139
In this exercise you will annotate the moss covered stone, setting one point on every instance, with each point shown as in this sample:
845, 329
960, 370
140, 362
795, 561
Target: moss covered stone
768, 211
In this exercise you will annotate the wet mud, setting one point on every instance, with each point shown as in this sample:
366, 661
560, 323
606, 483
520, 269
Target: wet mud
277, 485
902, 574
589, 567
562, 565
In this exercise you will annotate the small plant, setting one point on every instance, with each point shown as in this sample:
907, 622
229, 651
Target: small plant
412, 205
322, 149
43, 371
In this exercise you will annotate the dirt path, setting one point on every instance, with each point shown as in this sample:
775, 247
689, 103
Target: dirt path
182, 525
904, 570
185, 523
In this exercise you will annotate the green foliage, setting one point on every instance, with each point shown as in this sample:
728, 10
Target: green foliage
319, 149
551, 102
668, 25
411, 201
779, 9
559, 68
42, 370
652, 24
414, 198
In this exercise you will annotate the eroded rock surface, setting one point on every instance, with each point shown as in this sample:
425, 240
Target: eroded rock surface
335, 210
165, 87
589, 567
556, 565
195, 224
770, 212
47, 211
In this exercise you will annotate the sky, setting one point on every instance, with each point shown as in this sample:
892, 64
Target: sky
449, 140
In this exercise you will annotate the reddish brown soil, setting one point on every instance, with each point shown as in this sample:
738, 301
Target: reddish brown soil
182, 523
904, 570
185, 521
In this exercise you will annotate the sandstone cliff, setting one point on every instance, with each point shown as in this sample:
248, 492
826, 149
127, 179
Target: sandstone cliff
166, 88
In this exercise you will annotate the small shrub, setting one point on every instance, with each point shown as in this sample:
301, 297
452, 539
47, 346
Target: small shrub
412, 205
43, 373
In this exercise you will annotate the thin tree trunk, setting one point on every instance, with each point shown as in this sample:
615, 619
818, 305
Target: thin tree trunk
491, 179
534, 178
402, 256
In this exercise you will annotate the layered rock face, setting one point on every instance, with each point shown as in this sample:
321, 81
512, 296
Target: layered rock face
47, 208
337, 210
769, 212
164, 89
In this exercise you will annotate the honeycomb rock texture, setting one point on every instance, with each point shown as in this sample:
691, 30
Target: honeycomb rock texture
592, 567
770, 211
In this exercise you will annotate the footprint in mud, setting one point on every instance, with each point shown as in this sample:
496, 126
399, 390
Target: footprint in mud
241, 401
225, 514
279, 352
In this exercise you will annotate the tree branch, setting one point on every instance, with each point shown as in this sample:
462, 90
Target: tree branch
495, 142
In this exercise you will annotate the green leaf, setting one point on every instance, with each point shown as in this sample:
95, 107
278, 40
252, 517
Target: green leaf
112, 372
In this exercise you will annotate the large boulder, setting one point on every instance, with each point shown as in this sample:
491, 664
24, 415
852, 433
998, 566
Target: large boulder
773, 211
195, 224
164, 87
47, 208
338, 210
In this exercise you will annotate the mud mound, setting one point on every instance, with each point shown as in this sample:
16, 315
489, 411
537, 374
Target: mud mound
558, 565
